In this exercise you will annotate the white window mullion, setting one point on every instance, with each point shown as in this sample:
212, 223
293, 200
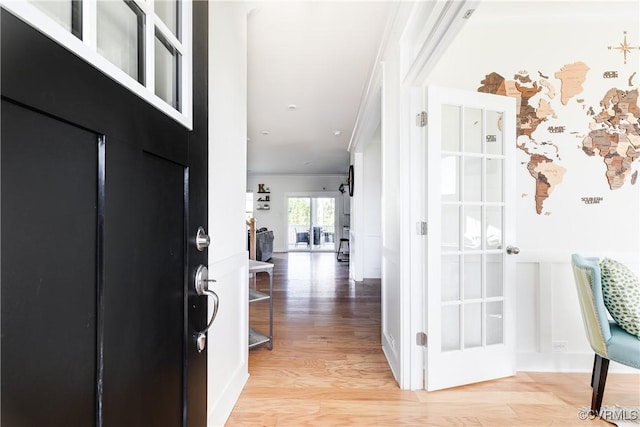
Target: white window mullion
145, 6
149, 51
90, 23
186, 64
169, 36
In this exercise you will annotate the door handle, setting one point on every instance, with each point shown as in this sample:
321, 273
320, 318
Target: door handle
202, 288
513, 250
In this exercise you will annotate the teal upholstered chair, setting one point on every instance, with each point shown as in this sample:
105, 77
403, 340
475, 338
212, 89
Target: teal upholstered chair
608, 340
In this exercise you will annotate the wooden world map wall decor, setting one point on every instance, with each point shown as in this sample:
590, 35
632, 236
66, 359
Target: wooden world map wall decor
559, 106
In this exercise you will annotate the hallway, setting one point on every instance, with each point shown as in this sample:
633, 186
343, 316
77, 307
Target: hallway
327, 367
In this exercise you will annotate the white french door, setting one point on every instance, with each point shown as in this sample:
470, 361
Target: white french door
470, 299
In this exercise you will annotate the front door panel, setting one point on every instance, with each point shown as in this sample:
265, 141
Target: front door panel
163, 290
49, 286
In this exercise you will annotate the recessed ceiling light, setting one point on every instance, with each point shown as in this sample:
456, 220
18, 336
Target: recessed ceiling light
292, 107
337, 132
265, 132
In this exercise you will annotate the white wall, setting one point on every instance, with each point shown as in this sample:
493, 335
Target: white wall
372, 226
228, 336
280, 185
543, 41
358, 213
366, 233
379, 117
392, 202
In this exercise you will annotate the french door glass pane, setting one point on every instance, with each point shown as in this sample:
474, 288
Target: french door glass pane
450, 232
166, 72
495, 323
450, 178
58, 10
450, 278
472, 130
472, 227
450, 328
450, 128
472, 325
494, 227
472, 276
472, 179
494, 136
494, 275
120, 36
494, 180
167, 11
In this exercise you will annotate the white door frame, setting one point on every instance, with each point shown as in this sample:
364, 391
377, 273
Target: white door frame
420, 52
415, 354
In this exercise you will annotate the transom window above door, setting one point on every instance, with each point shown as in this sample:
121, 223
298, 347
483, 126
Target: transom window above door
145, 45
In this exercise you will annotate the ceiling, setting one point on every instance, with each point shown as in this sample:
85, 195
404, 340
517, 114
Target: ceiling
308, 65
310, 60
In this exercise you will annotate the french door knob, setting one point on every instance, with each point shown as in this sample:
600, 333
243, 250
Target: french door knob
513, 250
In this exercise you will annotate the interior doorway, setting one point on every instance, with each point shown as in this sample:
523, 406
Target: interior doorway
311, 223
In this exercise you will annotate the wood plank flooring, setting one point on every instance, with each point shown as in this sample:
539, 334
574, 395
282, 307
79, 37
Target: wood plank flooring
327, 366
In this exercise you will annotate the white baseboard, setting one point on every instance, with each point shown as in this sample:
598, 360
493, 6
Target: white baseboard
564, 362
392, 359
220, 411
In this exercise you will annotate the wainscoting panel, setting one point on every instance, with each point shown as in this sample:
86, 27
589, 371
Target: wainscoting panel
391, 311
228, 366
550, 332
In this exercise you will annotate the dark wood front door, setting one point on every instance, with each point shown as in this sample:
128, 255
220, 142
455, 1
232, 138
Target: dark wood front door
101, 196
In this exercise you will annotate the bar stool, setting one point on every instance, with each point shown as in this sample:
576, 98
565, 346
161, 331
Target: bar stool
343, 254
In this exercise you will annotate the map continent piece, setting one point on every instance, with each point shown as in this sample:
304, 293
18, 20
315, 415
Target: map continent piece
551, 91
615, 136
571, 76
547, 175
544, 109
493, 83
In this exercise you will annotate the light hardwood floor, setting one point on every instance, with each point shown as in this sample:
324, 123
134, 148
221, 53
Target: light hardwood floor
327, 367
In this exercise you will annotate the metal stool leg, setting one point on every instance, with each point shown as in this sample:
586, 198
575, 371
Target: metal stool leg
345, 256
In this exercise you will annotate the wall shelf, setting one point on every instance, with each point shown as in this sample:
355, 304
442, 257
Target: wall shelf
263, 198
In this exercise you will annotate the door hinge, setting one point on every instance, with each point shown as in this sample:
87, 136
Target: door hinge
422, 228
421, 119
421, 339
